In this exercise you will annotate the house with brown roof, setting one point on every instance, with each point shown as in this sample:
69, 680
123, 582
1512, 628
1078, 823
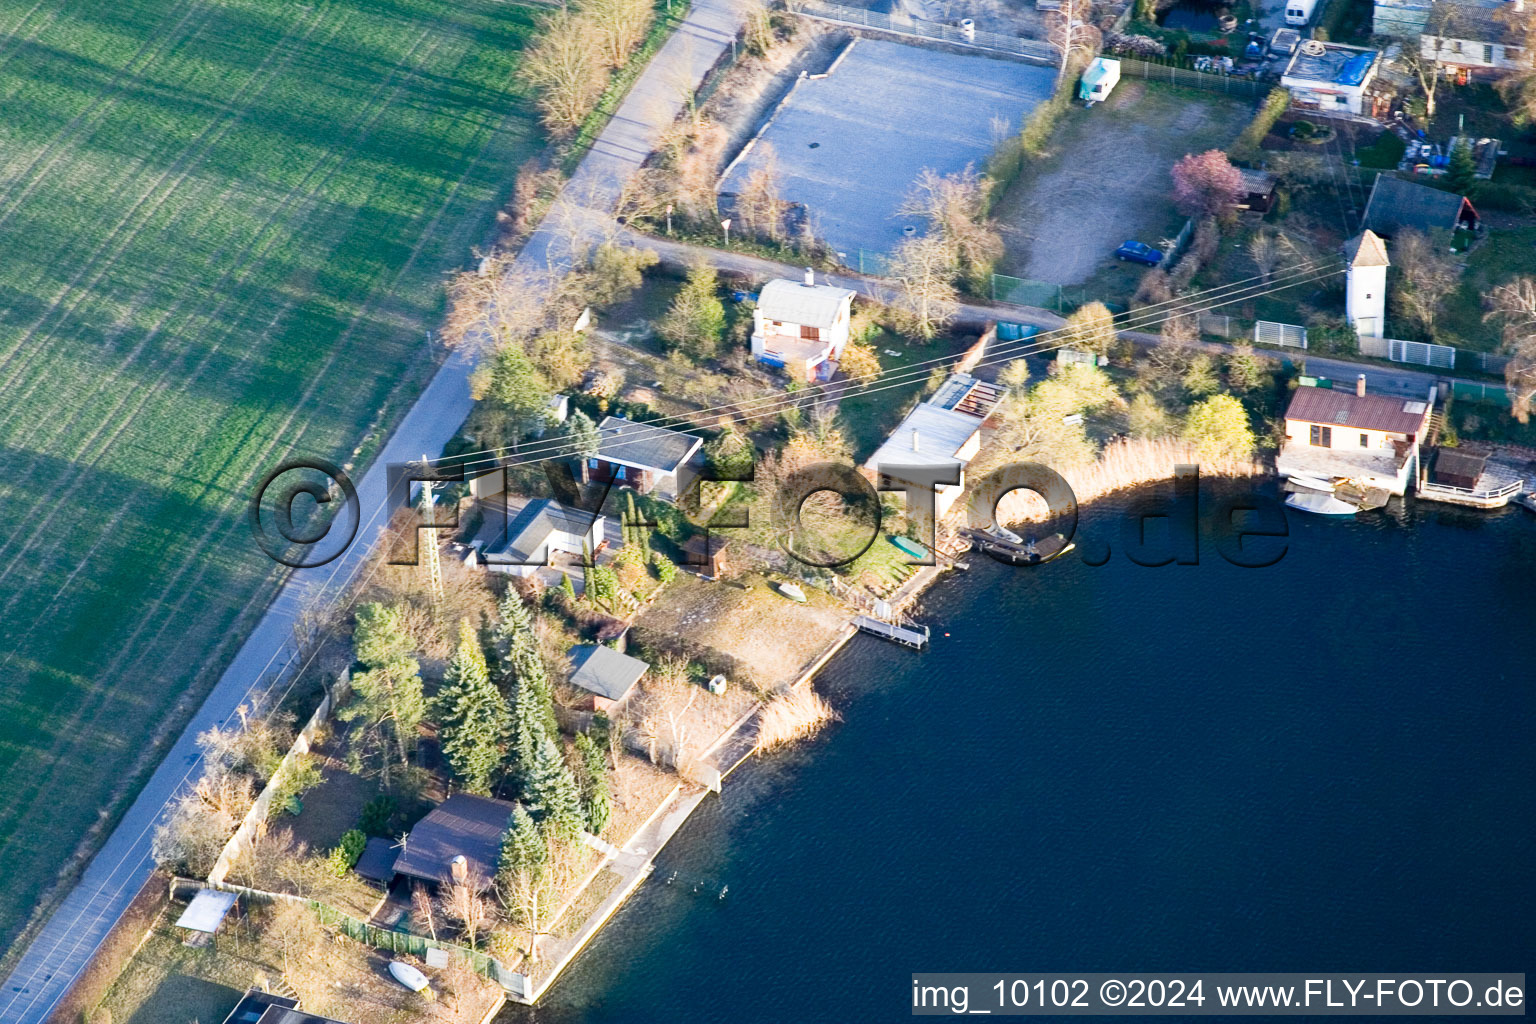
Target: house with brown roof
1337, 434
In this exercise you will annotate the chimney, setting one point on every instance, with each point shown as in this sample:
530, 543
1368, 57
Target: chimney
810, 277
914, 439
1360, 386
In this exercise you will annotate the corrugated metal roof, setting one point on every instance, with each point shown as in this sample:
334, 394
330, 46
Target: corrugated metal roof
206, 911
793, 302
929, 436
1341, 408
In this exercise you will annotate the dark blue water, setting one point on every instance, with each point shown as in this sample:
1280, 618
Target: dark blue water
1323, 765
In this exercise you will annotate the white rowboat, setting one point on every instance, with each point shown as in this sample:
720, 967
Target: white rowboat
407, 975
1321, 504
1314, 482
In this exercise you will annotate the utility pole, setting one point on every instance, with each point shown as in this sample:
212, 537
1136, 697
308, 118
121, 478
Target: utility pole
434, 564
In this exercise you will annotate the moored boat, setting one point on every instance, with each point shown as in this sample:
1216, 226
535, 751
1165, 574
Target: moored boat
1315, 483
1320, 504
910, 547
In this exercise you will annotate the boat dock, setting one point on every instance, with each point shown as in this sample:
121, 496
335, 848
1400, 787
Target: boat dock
915, 639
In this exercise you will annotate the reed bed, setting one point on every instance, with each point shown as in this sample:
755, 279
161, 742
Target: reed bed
792, 716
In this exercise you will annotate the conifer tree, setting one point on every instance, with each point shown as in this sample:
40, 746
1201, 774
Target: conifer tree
596, 793
527, 681
553, 798
472, 714
387, 694
523, 849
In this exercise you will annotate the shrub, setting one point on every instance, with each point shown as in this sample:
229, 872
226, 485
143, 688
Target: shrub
666, 571
377, 815
1504, 196
344, 857
1042, 122
301, 776
1246, 148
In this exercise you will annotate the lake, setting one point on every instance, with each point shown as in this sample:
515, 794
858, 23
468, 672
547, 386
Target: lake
1322, 765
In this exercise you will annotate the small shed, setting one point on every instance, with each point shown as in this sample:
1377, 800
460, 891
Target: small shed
609, 676
1099, 79
1258, 191
377, 863
706, 555
1456, 468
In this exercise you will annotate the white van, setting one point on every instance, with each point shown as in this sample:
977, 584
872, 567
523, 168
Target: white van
1299, 12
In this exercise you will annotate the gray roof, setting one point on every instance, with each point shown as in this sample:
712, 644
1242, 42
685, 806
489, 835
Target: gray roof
1396, 204
463, 824
527, 536
929, 436
604, 671
377, 863
794, 302
257, 1007
644, 446
206, 911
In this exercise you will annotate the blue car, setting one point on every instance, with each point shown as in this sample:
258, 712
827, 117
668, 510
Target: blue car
1139, 252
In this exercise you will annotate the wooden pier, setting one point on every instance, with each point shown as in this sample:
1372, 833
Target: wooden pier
903, 635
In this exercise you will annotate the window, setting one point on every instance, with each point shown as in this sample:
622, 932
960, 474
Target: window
1322, 437
1365, 440
1487, 53
810, 333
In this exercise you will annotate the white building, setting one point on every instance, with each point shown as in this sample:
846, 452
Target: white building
1475, 35
801, 326
541, 530
941, 435
1336, 434
1330, 77
1365, 283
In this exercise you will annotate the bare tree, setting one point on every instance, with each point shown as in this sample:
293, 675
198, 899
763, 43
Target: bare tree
1071, 32
924, 269
759, 204
464, 904
621, 25
1262, 250
669, 695
1421, 52
421, 903
1518, 86
1428, 275
565, 65
955, 209
1514, 303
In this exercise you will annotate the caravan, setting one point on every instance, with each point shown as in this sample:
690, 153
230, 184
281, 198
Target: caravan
1299, 12
1098, 79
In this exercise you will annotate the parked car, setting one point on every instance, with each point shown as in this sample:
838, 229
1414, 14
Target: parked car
1139, 252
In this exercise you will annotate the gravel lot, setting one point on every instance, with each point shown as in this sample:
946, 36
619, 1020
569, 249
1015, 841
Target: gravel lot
849, 145
1107, 179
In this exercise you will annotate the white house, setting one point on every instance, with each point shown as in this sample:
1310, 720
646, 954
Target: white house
1475, 35
1330, 76
542, 529
801, 326
1373, 440
943, 433
1365, 283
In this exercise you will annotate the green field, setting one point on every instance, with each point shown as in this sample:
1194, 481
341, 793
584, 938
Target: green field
224, 226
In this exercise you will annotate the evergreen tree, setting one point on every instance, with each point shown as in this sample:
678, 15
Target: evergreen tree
527, 680
596, 792
553, 797
584, 440
387, 694
1461, 169
472, 715
380, 637
567, 586
523, 850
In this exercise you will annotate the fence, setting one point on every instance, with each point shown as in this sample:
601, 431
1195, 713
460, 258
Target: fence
1471, 391
241, 840
1033, 49
1441, 356
1176, 74
1268, 332
362, 931
1026, 292
1222, 326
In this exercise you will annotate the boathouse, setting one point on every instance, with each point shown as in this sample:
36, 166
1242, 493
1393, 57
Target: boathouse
1372, 440
938, 438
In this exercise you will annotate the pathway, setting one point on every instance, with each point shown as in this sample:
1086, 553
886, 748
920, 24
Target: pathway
269, 657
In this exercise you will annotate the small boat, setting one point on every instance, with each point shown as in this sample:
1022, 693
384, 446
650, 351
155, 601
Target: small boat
1003, 533
792, 592
1314, 482
407, 975
1528, 501
1321, 504
910, 547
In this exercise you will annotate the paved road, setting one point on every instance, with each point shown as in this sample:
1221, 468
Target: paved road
1401, 381
269, 656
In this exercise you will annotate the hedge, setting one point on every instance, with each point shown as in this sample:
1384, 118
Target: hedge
1246, 148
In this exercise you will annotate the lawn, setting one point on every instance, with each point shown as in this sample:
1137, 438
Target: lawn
869, 413
1105, 180
225, 224
1501, 256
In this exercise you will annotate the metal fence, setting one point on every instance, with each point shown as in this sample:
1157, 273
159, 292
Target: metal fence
1268, 332
1485, 361
1471, 391
1422, 353
1221, 325
1174, 73
1021, 291
1032, 48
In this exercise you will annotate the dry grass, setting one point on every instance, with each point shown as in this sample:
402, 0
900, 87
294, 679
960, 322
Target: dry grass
793, 716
